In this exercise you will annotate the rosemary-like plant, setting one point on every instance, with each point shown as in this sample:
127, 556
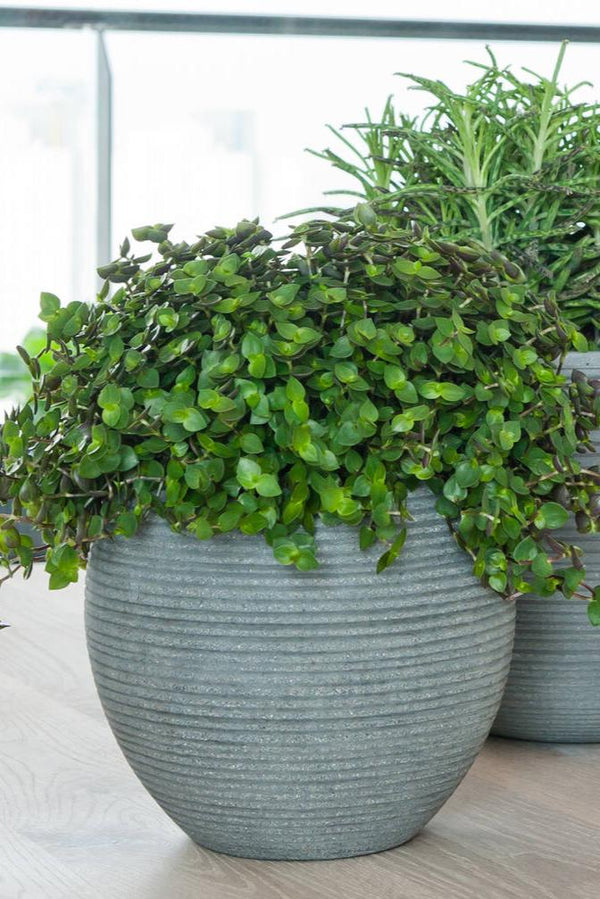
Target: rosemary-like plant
514, 164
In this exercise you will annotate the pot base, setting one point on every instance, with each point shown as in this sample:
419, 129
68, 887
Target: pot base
307, 854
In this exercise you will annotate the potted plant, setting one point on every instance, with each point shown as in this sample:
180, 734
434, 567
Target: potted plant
281, 466
515, 165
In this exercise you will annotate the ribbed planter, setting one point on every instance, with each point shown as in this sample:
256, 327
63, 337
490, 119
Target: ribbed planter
553, 689
279, 714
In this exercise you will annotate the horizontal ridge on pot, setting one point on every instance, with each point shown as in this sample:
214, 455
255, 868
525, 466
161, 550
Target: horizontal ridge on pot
283, 714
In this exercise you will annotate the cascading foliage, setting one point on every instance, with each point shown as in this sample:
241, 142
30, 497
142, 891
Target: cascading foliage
231, 385
512, 163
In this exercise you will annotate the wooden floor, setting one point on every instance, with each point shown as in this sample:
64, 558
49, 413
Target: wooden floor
75, 822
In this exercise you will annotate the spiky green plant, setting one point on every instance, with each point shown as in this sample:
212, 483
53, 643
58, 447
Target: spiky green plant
512, 163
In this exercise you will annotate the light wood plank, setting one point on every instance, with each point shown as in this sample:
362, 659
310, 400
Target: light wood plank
76, 823
28, 872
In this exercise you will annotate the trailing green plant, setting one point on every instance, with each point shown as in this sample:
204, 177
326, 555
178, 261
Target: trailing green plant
15, 377
233, 385
512, 163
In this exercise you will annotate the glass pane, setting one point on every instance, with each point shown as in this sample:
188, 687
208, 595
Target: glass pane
209, 129
47, 172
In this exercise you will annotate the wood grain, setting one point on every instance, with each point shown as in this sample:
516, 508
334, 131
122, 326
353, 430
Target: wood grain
75, 822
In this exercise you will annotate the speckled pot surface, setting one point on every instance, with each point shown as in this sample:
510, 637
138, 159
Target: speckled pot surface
296, 715
553, 689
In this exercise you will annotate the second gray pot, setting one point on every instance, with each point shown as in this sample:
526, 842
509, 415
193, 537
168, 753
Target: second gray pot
296, 715
553, 689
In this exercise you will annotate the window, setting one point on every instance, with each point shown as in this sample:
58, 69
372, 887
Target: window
207, 129
47, 172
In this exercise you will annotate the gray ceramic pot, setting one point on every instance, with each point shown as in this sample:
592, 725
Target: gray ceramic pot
553, 689
288, 715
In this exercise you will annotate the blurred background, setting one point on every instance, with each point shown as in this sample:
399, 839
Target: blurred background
105, 129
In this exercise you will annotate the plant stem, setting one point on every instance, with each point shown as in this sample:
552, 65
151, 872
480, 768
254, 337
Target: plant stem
474, 177
539, 147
